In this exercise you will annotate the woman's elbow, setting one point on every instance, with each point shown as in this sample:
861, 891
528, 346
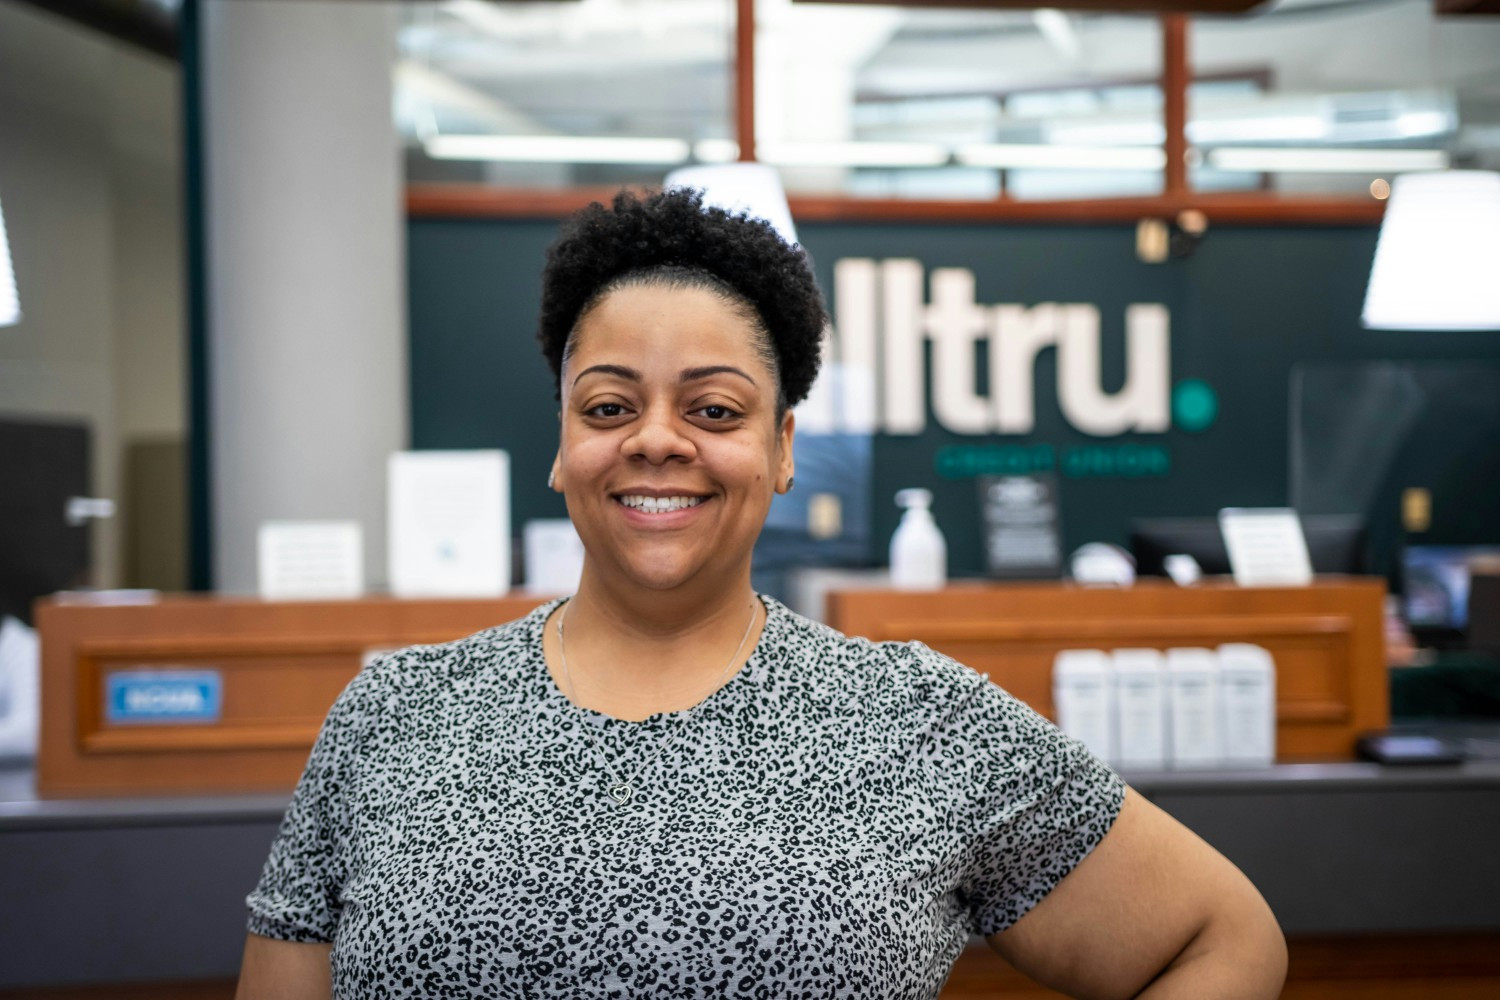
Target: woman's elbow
1245, 946
1239, 953
1264, 950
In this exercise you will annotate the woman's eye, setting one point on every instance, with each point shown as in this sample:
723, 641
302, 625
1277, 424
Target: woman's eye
717, 412
605, 410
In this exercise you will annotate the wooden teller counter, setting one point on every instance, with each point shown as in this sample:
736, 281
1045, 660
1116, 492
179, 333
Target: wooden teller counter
127, 854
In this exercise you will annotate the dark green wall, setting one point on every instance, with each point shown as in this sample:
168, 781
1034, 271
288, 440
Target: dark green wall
1245, 308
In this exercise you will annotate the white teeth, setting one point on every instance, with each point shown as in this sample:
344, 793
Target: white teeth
659, 505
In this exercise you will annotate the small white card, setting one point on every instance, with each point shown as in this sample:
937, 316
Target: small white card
310, 559
449, 523
554, 556
1266, 546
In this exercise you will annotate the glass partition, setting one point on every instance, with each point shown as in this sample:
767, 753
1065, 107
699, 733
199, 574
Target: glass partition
558, 95
1318, 97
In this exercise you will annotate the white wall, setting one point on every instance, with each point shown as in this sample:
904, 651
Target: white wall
307, 277
89, 178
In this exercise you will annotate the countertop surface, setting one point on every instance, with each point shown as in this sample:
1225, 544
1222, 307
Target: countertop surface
22, 808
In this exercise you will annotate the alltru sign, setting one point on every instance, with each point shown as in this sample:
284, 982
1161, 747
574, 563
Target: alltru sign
877, 374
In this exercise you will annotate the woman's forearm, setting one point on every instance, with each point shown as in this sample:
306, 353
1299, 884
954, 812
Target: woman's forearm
1241, 958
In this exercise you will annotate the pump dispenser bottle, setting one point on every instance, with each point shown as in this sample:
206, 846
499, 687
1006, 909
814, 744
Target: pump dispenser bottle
919, 556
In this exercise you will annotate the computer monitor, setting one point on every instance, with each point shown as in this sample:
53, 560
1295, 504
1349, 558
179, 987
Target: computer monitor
1435, 587
1153, 539
1336, 543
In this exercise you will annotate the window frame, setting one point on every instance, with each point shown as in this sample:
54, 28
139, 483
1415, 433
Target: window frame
1177, 196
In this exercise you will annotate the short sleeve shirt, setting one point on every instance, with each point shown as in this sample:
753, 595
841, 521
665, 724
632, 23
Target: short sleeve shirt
836, 820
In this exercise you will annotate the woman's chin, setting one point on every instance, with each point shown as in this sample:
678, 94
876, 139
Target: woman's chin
662, 575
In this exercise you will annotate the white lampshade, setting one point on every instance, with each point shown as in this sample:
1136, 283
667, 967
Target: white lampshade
752, 188
10, 304
1437, 262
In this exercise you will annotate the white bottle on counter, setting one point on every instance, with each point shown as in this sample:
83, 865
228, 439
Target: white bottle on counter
1193, 707
1140, 707
919, 555
1081, 690
1247, 701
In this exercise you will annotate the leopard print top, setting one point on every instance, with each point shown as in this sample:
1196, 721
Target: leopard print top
834, 821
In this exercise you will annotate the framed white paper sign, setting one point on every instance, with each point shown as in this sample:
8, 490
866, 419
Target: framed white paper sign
1266, 546
310, 559
449, 523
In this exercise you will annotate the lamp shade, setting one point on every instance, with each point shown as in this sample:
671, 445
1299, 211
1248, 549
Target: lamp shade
1438, 255
10, 304
752, 188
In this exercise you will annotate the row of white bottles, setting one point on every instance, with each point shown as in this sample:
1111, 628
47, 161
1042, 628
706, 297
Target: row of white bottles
1186, 707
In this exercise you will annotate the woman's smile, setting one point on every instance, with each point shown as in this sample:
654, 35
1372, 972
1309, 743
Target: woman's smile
650, 510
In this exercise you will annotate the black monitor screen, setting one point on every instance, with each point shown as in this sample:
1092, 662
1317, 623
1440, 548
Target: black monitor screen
1336, 543
1435, 583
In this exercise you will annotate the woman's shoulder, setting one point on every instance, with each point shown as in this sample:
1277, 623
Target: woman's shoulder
499, 648
888, 673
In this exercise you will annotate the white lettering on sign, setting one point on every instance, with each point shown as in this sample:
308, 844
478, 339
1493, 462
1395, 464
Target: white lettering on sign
164, 699
877, 379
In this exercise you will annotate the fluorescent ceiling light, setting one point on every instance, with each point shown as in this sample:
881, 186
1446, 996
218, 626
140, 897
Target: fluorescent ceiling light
1006, 156
10, 303
1326, 161
716, 151
853, 154
1267, 128
556, 149
1040, 156
1435, 262
1102, 132
1412, 124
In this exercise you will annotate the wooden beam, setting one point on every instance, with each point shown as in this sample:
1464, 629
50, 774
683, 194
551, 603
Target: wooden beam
1467, 6
474, 201
744, 78
1174, 83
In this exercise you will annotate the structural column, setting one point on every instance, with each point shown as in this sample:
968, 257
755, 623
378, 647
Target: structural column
305, 275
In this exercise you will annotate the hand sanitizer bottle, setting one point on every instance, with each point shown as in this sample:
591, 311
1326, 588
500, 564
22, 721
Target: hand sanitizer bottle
919, 556
1082, 691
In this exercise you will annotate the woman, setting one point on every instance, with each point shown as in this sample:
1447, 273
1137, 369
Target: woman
671, 786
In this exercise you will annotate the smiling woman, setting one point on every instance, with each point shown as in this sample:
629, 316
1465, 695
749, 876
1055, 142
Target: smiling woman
668, 464
592, 801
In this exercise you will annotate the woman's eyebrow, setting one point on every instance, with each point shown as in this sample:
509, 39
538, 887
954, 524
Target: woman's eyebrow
687, 374
694, 374
618, 370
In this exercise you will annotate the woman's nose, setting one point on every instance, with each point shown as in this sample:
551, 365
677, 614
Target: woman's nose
659, 437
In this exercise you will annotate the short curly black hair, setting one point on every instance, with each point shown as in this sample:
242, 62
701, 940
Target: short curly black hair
672, 238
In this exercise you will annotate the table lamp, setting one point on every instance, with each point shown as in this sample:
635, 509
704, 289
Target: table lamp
752, 188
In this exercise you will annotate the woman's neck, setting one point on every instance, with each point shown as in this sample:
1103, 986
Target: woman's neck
632, 655
636, 613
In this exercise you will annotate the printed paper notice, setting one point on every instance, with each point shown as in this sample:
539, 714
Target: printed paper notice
310, 559
1266, 546
449, 523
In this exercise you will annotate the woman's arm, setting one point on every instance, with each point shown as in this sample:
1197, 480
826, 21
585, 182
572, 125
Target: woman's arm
1153, 912
284, 970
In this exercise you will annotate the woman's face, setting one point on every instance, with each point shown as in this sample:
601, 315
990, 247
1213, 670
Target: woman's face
670, 448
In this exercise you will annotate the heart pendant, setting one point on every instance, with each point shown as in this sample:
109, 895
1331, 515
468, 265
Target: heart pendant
621, 793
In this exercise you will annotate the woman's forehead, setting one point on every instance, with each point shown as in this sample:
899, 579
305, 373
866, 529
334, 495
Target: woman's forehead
686, 326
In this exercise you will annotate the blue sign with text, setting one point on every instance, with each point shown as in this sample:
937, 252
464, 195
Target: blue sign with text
157, 696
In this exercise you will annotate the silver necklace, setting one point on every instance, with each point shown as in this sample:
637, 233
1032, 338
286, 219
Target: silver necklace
622, 789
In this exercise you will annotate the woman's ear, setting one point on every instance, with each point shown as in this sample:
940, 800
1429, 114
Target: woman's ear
785, 464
